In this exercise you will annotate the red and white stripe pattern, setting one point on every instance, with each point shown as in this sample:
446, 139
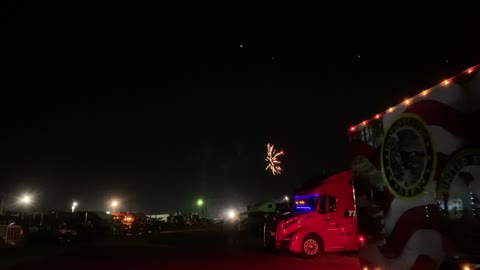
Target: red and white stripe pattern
411, 227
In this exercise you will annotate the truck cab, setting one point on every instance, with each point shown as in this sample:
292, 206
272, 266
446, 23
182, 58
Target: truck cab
322, 220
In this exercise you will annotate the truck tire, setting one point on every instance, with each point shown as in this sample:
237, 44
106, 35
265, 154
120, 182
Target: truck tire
312, 246
268, 240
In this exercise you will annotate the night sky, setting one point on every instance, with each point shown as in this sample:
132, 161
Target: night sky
158, 105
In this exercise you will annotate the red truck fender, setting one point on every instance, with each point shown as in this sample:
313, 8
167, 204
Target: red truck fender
296, 241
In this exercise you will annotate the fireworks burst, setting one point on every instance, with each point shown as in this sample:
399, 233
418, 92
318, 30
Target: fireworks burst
272, 159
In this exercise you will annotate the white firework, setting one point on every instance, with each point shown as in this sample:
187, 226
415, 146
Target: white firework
272, 159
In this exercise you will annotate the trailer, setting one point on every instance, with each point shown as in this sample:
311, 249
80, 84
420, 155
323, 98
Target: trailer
416, 173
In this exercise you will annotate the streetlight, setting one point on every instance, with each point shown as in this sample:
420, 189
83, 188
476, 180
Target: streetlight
231, 214
114, 205
74, 205
202, 205
26, 199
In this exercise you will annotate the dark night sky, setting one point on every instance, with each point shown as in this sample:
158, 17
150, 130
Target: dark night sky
159, 104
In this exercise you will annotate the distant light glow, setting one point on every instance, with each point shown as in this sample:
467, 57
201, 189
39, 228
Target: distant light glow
200, 202
232, 214
272, 159
286, 198
364, 123
377, 116
74, 205
407, 101
114, 203
446, 82
390, 109
425, 92
469, 70
26, 199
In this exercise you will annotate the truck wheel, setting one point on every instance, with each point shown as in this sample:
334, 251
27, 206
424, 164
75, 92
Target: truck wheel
312, 246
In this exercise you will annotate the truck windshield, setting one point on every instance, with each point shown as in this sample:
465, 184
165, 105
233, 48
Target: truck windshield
305, 203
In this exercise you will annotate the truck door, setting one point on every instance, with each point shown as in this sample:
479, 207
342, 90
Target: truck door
349, 225
335, 234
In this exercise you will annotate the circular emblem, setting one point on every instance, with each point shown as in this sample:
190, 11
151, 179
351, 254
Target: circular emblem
407, 156
458, 189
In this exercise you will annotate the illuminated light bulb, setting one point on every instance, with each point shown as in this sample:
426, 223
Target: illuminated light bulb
352, 129
425, 92
446, 82
364, 123
407, 101
390, 109
469, 70
377, 116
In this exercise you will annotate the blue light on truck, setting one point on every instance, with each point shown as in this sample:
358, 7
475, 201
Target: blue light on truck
304, 207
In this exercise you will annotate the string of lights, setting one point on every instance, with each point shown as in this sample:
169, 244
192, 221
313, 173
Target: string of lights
409, 101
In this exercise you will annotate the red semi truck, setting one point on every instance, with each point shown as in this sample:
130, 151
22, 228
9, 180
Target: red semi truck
416, 173
321, 219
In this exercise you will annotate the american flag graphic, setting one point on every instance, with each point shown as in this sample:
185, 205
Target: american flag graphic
416, 170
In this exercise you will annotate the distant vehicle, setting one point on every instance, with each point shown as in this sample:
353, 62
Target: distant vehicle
123, 217
253, 220
66, 232
322, 220
416, 172
95, 223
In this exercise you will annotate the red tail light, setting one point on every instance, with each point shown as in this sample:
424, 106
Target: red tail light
361, 240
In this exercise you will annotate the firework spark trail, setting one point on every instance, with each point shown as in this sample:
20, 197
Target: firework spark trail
273, 162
